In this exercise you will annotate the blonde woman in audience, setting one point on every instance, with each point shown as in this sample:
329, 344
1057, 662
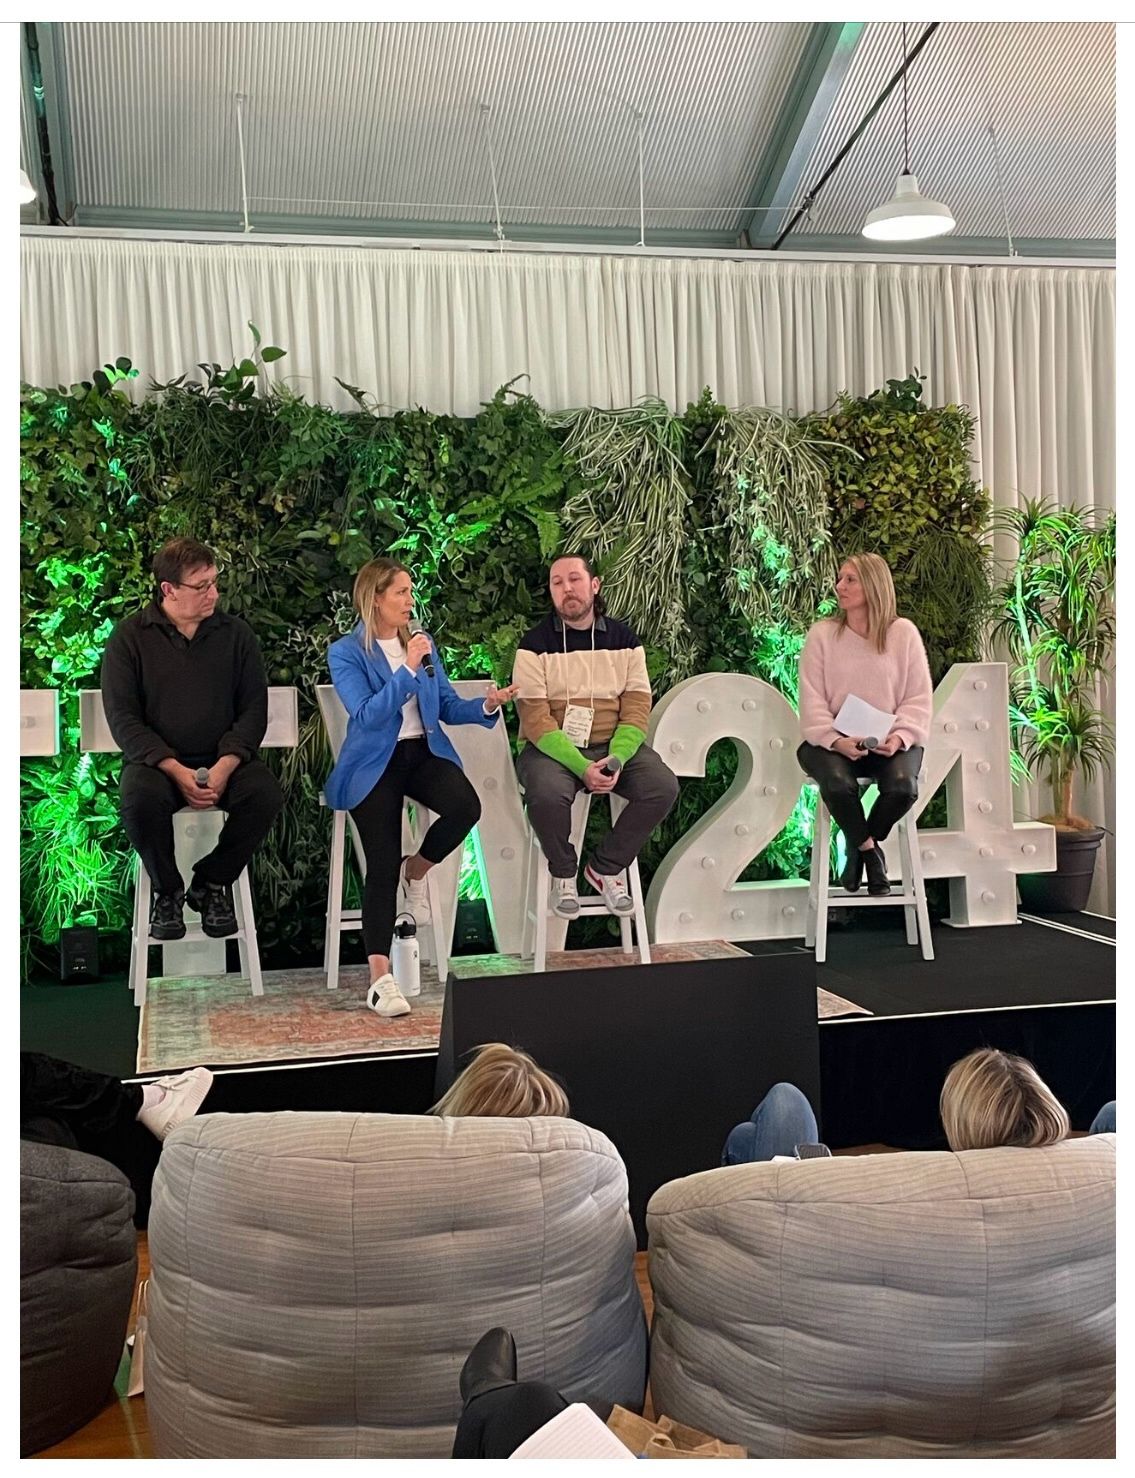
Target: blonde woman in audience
502, 1083
992, 1099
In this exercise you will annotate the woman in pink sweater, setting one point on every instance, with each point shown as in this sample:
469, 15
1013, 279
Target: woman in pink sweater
870, 651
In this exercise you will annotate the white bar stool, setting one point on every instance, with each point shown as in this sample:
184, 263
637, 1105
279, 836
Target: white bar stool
537, 890
195, 833
432, 943
822, 896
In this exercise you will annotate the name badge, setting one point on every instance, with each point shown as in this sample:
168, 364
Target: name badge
577, 724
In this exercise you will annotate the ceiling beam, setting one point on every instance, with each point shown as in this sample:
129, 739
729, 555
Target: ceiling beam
124, 217
807, 105
51, 96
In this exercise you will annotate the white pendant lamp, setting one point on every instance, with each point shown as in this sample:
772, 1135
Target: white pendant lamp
27, 189
908, 215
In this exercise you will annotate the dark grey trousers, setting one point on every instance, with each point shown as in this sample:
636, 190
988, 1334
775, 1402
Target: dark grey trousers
646, 783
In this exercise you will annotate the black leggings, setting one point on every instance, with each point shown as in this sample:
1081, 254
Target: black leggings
896, 776
436, 783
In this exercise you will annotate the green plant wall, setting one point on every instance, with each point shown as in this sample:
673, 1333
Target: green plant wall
718, 532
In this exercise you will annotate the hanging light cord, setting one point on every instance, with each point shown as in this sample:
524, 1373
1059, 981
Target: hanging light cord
810, 198
905, 115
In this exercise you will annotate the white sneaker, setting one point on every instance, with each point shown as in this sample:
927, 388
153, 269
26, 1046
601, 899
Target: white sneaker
565, 898
385, 999
184, 1095
613, 891
417, 898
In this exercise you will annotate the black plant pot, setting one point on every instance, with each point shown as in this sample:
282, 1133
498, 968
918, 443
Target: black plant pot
1065, 890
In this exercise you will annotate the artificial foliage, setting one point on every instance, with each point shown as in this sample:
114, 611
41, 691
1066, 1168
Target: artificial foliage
1056, 617
900, 483
717, 533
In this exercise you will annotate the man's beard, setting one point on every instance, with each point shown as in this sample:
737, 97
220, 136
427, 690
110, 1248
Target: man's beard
570, 613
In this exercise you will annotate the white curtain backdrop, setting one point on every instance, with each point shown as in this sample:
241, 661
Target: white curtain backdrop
1031, 350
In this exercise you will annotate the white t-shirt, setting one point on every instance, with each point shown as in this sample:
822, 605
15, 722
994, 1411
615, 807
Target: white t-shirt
412, 726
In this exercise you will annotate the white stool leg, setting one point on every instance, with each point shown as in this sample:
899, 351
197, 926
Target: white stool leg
139, 944
823, 846
333, 941
906, 866
527, 929
918, 883
626, 935
440, 946
813, 884
634, 877
543, 887
246, 941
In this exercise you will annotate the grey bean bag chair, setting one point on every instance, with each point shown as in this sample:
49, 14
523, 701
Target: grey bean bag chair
318, 1279
78, 1264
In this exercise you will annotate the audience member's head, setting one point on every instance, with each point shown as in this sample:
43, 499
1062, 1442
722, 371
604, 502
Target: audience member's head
502, 1083
992, 1099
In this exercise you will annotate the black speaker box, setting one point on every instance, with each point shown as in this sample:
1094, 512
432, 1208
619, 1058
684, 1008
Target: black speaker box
665, 1059
78, 954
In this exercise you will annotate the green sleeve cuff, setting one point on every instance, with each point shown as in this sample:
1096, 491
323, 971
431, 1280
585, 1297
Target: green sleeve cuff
557, 746
625, 742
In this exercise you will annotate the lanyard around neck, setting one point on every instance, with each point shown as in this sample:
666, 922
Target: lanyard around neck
565, 631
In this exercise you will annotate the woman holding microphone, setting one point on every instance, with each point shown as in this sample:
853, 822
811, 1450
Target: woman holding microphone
396, 694
871, 653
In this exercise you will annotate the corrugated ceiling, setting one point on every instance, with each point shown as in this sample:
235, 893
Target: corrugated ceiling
377, 126
1048, 88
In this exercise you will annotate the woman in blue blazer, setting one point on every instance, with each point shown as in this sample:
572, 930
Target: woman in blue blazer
396, 694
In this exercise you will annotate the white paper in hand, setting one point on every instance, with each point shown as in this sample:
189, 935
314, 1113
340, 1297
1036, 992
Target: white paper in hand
858, 720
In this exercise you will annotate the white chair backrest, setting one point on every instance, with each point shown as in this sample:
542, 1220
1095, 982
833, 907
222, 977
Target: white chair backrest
282, 731
39, 722
334, 716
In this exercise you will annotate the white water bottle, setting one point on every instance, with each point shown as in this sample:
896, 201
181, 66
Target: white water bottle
404, 956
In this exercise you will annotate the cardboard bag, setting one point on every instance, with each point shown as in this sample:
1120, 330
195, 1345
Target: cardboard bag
138, 1351
666, 1438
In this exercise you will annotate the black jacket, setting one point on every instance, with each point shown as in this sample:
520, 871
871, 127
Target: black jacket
166, 697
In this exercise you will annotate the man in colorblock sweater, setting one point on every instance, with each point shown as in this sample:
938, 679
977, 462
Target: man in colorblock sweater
584, 700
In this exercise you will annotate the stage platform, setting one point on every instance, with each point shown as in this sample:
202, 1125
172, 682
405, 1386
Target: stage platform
889, 1023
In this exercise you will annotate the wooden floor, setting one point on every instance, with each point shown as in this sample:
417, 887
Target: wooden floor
121, 1429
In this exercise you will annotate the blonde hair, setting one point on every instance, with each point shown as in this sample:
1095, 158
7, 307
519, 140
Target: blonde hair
882, 611
992, 1099
374, 579
503, 1083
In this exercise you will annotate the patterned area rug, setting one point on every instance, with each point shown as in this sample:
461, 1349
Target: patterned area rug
215, 1019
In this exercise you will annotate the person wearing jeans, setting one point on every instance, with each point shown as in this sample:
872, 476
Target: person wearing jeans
782, 1120
396, 693
868, 652
1104, 1121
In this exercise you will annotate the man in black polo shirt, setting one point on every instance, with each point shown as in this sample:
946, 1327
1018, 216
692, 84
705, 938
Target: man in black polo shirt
184, 691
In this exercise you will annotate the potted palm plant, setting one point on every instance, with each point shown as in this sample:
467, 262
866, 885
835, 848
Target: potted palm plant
1056, 618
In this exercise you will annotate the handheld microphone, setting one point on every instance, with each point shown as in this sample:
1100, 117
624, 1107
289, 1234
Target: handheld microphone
415, 628
611, 765
202, 778
868, 743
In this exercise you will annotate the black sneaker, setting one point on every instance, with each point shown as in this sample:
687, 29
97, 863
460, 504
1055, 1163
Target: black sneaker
876, 865
214, 902
166, 921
